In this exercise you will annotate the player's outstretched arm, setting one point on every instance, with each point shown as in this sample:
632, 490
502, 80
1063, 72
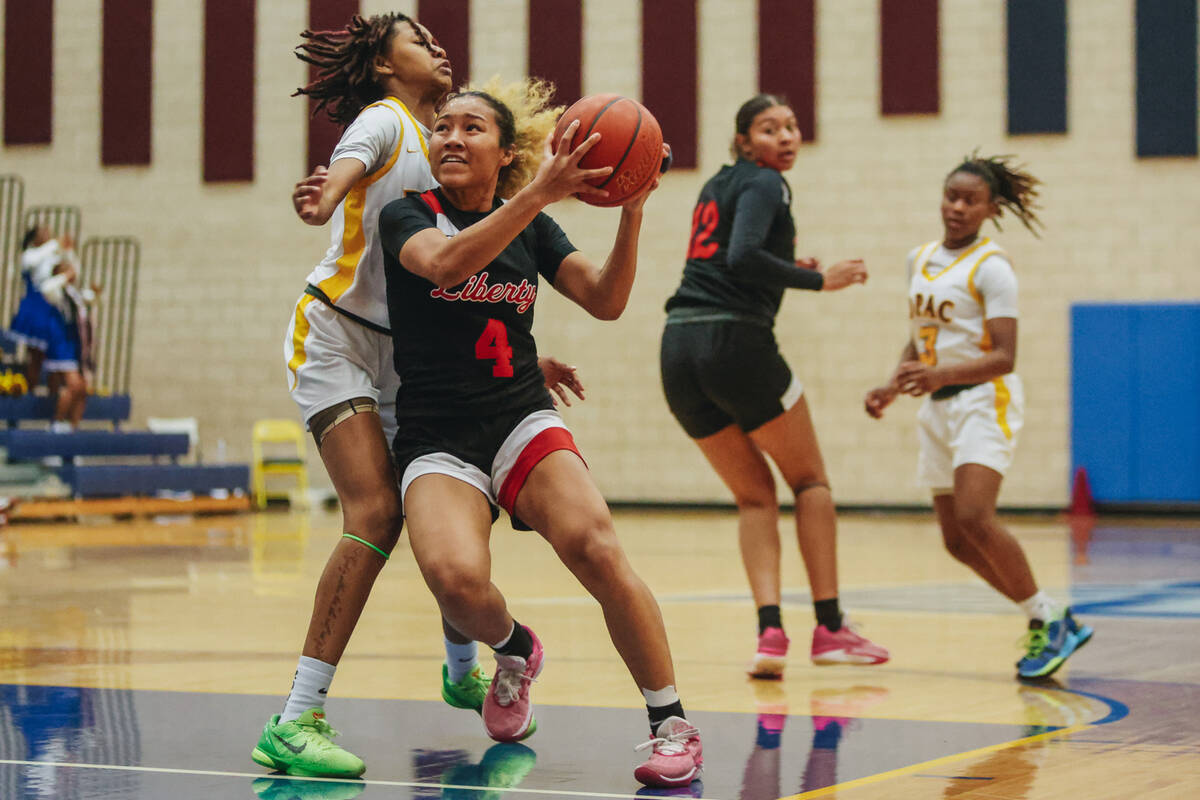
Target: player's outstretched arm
843, 274
316, 197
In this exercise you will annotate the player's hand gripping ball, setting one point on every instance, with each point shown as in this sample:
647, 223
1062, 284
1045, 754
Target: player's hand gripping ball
631, 142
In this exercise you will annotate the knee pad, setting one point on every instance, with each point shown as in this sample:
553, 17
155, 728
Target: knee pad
326, 420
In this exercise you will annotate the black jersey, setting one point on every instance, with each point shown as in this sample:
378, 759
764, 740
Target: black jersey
742, 251
468, 349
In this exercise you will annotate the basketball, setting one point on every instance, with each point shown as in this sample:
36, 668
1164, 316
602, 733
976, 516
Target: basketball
630, 142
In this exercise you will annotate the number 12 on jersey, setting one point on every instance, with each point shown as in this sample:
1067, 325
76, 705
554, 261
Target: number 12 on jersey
492, 345
704, 222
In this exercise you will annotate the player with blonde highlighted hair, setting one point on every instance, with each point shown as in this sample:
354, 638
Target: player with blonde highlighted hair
524, 118
477, 431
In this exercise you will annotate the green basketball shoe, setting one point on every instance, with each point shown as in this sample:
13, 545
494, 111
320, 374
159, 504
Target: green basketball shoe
503, 766
294, 789
467, 693
305, 747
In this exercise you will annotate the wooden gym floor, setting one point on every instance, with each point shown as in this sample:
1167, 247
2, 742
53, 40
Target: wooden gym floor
140, 659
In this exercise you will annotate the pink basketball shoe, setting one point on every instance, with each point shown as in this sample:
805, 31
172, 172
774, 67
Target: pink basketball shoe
845, 646
507, 709
771, 655
676, 755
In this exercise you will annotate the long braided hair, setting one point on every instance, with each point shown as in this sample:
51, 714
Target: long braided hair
345, 60
1011, 186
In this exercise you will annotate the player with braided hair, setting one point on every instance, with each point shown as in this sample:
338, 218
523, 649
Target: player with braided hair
346, 81
381, 78
963, 309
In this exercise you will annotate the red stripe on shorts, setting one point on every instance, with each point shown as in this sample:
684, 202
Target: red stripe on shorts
538, 448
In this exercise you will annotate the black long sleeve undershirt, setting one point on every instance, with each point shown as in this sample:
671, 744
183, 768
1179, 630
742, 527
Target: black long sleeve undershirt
747, 254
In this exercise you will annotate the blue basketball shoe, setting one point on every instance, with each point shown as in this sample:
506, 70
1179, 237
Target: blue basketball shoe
1049, 645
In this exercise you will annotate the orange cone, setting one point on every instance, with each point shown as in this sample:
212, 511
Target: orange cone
1081, 496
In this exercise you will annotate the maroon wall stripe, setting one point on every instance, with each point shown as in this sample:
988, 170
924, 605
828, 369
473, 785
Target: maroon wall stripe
450, 23
229, 90
787, 57
28, 72
126, 78
323, 135
669, 70
556, 46
908, 57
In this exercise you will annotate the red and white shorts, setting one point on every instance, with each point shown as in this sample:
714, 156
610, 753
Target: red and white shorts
493, 454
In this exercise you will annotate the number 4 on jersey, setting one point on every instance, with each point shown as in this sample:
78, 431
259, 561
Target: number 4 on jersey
492, 345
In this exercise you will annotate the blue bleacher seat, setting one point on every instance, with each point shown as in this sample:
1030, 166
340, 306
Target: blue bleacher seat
25, 445
122, 480
112, 407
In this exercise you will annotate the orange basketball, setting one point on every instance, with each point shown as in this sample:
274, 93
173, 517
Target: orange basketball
630, 143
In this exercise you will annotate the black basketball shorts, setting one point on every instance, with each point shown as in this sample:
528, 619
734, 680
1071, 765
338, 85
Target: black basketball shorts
716, 373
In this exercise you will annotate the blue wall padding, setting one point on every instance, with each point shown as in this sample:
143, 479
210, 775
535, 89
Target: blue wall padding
1166, 77
1135, 401
1037, 66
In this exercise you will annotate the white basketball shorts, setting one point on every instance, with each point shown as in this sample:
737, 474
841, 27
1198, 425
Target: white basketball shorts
976, 426
331, 358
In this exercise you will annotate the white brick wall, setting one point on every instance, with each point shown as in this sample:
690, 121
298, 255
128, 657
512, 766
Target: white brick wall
223, 264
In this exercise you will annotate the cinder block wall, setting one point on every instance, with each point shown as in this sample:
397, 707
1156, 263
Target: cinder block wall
224, 264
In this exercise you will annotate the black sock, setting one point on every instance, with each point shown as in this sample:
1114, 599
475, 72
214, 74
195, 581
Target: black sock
828, 614
768, 617
519, 644
659, 714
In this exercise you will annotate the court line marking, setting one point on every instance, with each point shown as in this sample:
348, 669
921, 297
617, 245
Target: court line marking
924, 765
1116, 711
222, 774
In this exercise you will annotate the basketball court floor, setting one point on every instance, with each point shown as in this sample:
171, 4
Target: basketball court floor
140, 659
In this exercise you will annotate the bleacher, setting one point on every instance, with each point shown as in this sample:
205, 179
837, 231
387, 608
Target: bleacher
104, 467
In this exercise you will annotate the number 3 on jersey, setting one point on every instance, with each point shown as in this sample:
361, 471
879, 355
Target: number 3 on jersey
492, 345
928, 336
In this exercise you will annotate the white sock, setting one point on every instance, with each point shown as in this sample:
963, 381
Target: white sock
61, 426
657, 698
460, 659
310, 687
1040, 606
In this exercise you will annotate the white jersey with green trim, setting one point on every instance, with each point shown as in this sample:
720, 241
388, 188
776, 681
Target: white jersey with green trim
951, 295
394, 147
